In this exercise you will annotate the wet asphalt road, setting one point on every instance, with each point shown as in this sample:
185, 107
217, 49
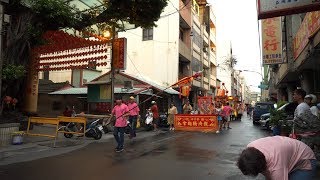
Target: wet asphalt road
174, 155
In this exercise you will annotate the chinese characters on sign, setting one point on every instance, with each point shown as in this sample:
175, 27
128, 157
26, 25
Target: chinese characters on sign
196, 122
309, 26
272, 41
120, 53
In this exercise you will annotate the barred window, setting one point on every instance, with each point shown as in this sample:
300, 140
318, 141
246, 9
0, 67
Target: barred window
147, 34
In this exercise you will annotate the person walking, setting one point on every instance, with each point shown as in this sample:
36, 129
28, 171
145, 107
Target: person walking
121, 112
171, 112
155, 111
278, 158
133, 117
227, 111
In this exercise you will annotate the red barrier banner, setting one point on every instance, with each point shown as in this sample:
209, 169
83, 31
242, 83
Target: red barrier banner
203, 123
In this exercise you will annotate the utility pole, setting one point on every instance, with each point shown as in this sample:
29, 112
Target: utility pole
112, 65
1, 54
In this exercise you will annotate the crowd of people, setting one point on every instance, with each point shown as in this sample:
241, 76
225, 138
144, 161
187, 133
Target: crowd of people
123, 112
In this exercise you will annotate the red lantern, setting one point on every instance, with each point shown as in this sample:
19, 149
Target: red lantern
185, 91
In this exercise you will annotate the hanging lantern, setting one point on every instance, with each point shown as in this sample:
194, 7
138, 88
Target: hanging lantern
185, 91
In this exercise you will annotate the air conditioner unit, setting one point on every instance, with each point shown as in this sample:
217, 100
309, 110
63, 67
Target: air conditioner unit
128, 85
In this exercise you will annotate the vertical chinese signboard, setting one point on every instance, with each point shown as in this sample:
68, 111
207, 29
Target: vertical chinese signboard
308, 28
120, 53
204, 123
272, 41
31, 94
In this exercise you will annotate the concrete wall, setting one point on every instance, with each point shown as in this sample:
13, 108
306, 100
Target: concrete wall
90, 75
54, 105
76, 75
157, 59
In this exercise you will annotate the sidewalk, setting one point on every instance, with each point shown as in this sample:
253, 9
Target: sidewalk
41, 147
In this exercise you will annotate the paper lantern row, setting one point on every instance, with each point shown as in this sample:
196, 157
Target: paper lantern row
73, 61
93, 52
71, 67
61, 41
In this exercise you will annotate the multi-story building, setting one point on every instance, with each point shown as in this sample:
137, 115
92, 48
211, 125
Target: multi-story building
246, 94
203, 48
254, 97
182, 44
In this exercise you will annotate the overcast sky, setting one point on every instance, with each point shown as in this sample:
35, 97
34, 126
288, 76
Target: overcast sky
237, 23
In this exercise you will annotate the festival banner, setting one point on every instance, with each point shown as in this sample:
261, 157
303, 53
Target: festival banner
205, 105
203, 123
272, 41
308, 28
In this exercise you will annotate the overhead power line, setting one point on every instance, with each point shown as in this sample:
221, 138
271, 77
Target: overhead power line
177, 10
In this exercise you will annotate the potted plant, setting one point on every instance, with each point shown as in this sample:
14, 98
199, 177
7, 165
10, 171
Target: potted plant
277, 118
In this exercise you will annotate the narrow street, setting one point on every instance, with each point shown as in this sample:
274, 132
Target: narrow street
178, 155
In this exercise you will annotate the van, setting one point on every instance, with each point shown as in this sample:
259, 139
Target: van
261, 108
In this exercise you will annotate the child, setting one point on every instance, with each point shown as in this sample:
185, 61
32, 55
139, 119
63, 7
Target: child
219, 113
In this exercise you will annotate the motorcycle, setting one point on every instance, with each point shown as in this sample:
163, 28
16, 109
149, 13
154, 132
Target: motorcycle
93, 129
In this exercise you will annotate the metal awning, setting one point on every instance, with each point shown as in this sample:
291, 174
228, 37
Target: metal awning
71, 91
84, 91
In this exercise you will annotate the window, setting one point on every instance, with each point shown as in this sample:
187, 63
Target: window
196, 65
147, 34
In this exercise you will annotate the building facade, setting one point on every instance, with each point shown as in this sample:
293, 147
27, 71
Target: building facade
301, 52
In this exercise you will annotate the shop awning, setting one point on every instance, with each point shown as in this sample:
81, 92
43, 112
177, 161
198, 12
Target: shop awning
84, 90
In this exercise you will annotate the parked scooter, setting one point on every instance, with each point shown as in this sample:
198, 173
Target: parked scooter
93, 129
163, 117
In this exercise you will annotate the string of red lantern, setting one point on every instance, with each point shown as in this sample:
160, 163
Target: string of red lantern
60, 41
47, 58
72, 67
78, 60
